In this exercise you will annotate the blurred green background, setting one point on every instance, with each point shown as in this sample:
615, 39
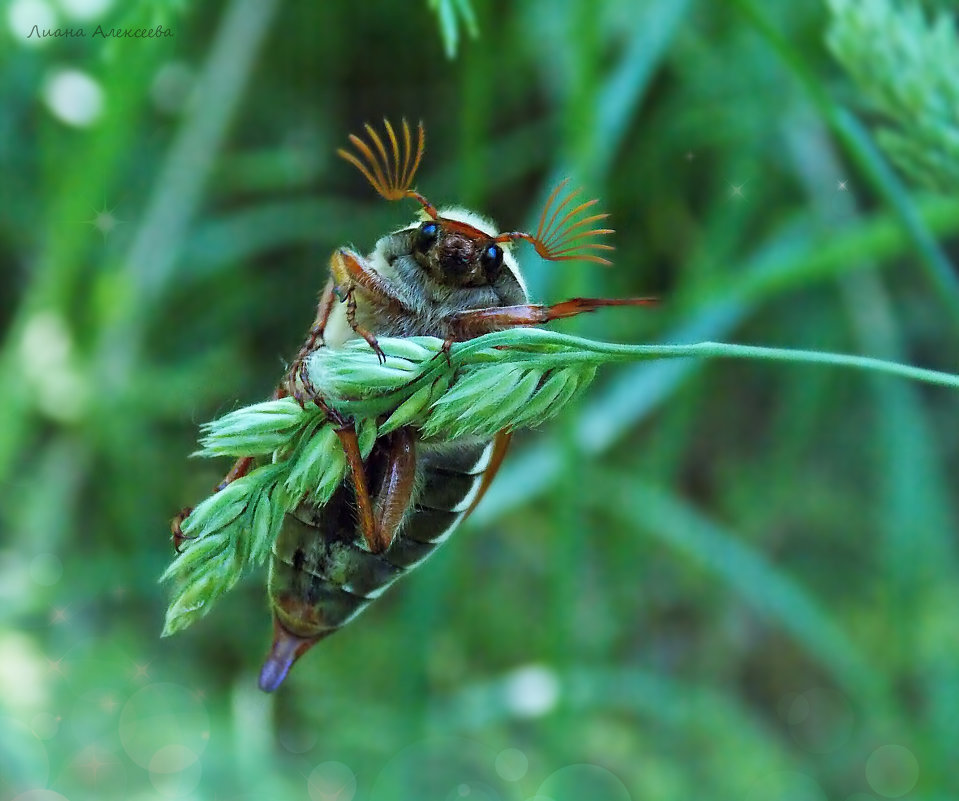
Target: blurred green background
722, 581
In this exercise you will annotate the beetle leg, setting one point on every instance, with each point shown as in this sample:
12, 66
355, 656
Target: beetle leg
314, 340
240, 468
363, 332
323, 309
177, 530
364, 504
380, 522
304, 391
349, 270
500, 446
396, 491
475, 322
351, 274
446, 349
445, 352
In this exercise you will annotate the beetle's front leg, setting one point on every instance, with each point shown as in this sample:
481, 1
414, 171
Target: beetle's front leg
351, 275
475, 322
360, 330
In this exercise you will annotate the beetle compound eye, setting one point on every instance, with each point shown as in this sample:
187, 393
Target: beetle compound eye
492, 260
426, 236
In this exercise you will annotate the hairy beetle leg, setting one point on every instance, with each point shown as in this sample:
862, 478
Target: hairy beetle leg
305, 391
364, 504
351, 273
446, 351
381, 520
367, 335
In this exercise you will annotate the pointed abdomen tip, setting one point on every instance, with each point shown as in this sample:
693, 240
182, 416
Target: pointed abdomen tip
287, 648
273, 673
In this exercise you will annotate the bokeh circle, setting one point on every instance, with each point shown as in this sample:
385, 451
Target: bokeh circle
436, 768
532, 691
175, 771
297, 739
797, 710
821, 720
159, 716
786, 785
511, 764
473, 792
95, 770
40, 795
579, 782
331, 781
892, 770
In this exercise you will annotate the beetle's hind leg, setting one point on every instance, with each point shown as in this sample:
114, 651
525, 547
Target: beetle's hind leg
380, 520
378, 537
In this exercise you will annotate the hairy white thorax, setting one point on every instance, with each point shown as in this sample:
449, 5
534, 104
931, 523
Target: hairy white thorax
431, 300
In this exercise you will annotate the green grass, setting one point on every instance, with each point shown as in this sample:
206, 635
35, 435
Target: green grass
705, 579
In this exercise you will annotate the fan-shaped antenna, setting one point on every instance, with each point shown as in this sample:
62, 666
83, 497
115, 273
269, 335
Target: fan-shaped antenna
564, 233
390, 170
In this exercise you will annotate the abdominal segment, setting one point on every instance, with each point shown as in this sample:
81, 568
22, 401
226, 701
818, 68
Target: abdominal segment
321, 574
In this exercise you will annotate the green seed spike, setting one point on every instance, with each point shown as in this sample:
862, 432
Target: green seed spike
505, 380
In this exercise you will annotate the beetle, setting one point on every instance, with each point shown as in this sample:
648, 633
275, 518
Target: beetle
449, 274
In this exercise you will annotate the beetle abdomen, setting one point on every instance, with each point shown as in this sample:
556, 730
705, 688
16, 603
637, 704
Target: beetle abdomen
321, 574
